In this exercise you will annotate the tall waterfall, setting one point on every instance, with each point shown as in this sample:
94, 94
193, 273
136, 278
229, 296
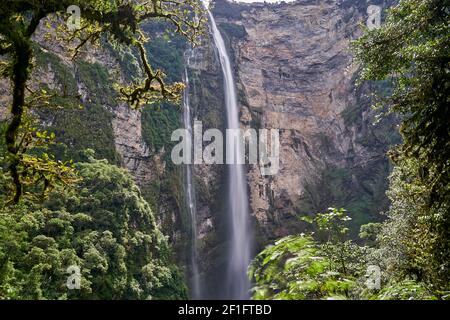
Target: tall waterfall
190, 196
239, 255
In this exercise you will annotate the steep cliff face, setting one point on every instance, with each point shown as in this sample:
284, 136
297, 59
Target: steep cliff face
94, 117
294, 72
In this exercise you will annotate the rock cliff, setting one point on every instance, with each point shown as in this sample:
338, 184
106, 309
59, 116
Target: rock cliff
93, 117
295, 72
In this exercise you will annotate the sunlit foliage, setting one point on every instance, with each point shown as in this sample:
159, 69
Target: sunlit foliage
103, 226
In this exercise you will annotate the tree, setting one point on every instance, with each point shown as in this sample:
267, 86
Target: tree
118, 20
413, 241
104, 227
412, 50
295, 268
323, 265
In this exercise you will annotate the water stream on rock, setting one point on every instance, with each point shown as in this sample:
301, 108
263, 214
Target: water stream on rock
236, 284
190, 196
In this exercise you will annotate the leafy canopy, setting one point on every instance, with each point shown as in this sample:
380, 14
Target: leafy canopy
301, 267
412, 50
103, 226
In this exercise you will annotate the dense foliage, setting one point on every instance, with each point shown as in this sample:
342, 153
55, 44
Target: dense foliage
414, 241
327, 265
298, 267
103, 226
412, 50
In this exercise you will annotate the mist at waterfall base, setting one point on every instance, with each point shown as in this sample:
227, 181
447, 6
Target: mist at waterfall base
232, 282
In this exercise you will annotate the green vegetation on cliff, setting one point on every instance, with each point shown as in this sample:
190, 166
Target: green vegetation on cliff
92, 215
328, 265
72, 125
103, 226
412, 49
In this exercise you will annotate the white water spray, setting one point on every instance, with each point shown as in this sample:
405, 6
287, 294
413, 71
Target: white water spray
190, 196
237, 283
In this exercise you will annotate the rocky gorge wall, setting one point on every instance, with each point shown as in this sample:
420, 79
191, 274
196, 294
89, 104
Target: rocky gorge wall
294, 71
91, 116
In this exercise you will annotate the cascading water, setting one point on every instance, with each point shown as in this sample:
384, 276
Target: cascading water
239, 255
190, 196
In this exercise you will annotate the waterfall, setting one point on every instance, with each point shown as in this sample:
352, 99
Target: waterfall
237, 284
190, 196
